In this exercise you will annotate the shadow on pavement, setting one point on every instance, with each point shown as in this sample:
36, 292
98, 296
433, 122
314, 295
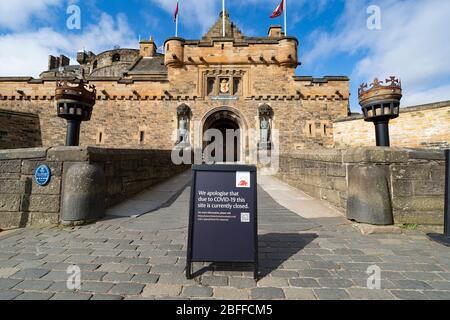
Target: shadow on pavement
274, 250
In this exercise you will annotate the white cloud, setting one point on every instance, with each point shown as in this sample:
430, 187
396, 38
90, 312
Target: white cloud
412, 45
193, 13
16, 13
26, 53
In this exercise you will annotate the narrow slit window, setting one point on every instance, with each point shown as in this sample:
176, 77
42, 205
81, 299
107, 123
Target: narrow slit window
141, 137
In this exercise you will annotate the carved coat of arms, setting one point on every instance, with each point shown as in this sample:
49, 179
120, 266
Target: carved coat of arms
224, 86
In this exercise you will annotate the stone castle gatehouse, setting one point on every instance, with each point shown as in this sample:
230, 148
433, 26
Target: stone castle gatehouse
146, 99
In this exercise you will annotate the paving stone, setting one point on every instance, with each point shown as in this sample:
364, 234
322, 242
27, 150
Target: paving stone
6, 284
162, 260
440, 285
127, 288
423, 276
9, 294
105, 252
411, 285
32, 273
284, 274
145, 278
299, 294
96, 286
335, 283
113, 267
214, 281
117, 277
196, 291
369, 294
33, 285
34, 296
267, 293
227, 293
314, 273
76, 259
106, 297
304, 283
242, 283
175, 279
167, 268
438, 295
331, 294
71, 296
409, 295
138, 269
158, 289
59, 286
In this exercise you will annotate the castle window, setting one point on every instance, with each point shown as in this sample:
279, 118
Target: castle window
141, 137
100, 136
167, 49
95, 65
310, 129
116, 57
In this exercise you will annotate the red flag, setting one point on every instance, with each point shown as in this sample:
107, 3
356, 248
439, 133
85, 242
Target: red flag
278, 11
175, 15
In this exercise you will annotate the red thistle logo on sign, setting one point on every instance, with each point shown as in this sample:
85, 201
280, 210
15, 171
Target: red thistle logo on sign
242, 179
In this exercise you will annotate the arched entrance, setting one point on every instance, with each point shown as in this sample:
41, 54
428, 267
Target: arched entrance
230, 126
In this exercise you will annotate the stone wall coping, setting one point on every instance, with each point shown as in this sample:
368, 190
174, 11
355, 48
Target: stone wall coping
18, 113
321, 80
26, 153
368, 155
422, 107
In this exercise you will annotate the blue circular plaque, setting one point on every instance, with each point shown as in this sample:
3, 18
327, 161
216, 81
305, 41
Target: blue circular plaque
42, 175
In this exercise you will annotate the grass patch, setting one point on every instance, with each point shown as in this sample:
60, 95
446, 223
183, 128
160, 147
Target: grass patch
409, 226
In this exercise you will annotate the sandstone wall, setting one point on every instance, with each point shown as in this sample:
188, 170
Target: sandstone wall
426, 126
416, 178
304, 117
24, 203
19, 130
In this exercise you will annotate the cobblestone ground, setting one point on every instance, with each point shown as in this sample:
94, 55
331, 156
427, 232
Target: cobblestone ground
144, 258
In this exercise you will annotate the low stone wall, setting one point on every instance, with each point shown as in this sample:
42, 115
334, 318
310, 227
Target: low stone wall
425, 126
416, 178
24, 203
19, 130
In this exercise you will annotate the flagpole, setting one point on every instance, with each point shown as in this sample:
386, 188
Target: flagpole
223, 18
176, 27
285, 18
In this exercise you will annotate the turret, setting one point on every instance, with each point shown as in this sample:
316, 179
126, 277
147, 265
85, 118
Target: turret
174, 52
287, 52
147, 48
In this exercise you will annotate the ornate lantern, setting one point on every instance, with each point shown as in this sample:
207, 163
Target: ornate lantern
381, 103
74, 102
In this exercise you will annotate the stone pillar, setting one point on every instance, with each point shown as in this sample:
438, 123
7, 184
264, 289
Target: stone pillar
369, 199
84, 193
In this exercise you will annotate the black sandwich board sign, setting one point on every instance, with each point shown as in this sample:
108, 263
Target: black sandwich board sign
223, 222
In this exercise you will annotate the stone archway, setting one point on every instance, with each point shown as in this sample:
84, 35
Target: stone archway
232, 127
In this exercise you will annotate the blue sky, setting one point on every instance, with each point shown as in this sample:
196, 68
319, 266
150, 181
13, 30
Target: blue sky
411, 43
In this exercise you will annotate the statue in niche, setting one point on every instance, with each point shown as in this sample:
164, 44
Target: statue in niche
183, 113
182, 130
265, 130
265, 116
224, 86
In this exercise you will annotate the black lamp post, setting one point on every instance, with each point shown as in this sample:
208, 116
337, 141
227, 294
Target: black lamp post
74, 102
381, 103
